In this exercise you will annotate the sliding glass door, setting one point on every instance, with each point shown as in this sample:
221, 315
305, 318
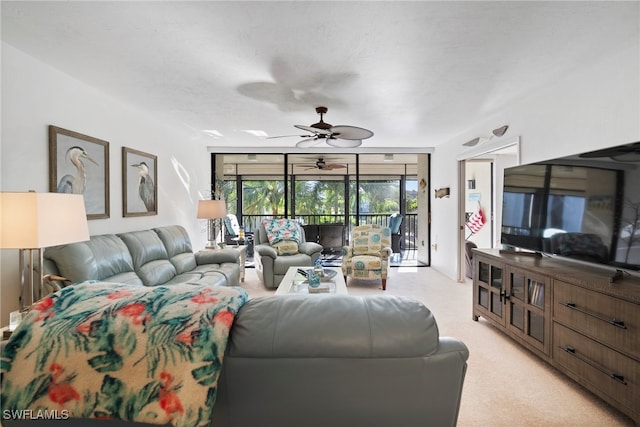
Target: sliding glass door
342, 190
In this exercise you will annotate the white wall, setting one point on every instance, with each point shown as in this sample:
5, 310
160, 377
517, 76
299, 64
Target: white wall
593, 107
422, 226
34, 96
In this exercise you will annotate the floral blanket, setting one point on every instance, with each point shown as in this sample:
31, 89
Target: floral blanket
114, 351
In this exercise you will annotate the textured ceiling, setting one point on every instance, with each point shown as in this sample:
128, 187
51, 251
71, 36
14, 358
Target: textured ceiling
416, 73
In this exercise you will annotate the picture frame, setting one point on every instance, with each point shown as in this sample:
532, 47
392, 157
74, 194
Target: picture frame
139, 183
79, 164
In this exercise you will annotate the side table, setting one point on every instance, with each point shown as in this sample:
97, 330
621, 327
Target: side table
243, 258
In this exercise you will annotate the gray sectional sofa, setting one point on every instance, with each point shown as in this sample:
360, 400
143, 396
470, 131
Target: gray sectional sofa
331, 360
339, 360
292, 360
148, 257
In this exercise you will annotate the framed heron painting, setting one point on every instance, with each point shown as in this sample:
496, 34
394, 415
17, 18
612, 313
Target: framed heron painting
139, 183
79, 164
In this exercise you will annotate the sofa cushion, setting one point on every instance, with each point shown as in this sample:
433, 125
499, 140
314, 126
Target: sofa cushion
214, 278
282, 263
178, 245
103, 257
334, 326
281, 229
366, 262
286, 247
370, 239
150, 258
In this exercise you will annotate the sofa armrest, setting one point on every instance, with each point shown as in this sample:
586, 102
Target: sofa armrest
453, 345
386, 252
309, 248
217, 256
347, 254
265, 250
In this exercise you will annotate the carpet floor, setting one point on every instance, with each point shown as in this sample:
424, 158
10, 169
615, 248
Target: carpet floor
505, 385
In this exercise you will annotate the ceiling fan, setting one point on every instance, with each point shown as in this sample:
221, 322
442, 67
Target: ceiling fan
340, 136
322, 165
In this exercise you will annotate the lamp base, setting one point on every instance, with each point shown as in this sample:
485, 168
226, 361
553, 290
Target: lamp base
211, 245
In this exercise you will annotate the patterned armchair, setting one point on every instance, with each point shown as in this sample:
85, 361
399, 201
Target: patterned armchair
367, 257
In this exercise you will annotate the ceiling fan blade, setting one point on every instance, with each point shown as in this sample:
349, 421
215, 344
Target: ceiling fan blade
288, 136
311, 129
335, 166
307, 143
351, 132
344, 143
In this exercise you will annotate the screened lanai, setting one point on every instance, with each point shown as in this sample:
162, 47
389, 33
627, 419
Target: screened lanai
328, 194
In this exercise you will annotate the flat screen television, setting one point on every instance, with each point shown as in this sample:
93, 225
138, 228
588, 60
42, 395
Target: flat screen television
585, 207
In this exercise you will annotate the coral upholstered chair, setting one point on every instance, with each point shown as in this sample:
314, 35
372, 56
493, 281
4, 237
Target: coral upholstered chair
367, 256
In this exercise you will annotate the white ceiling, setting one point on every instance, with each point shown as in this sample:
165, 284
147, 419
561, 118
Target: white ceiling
416, 73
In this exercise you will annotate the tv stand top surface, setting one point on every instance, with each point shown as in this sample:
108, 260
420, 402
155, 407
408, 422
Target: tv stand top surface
593, 277
523, 253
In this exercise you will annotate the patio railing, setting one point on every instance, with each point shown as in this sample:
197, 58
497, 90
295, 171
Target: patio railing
409, 226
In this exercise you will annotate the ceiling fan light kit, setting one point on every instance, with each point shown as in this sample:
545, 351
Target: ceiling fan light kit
341, 136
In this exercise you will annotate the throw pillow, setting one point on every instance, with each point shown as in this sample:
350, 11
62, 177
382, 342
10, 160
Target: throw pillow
286, 247
281, 229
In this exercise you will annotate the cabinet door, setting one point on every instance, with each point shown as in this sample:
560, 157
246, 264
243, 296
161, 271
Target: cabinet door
528, 307
488, 289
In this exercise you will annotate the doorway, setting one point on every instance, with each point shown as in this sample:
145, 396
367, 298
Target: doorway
494, 156
479, 206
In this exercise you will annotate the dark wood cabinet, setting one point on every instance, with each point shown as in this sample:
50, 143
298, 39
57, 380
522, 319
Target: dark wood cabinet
489, 290
571, 315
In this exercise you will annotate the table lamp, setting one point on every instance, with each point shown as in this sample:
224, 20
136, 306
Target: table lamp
33, 221
211, 210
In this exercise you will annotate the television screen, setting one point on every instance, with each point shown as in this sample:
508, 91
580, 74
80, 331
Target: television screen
584, 207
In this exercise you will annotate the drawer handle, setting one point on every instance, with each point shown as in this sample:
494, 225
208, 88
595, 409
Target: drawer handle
615, 376
615, 322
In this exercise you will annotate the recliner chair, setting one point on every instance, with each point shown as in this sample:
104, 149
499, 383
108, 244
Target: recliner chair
395, 221
368, 255
273, 258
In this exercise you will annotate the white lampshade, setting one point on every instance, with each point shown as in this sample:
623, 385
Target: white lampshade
211, 209
38, 220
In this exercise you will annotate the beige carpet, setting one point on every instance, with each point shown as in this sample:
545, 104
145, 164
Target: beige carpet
506, 385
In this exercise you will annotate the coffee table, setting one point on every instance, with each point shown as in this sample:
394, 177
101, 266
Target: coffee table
293, 283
